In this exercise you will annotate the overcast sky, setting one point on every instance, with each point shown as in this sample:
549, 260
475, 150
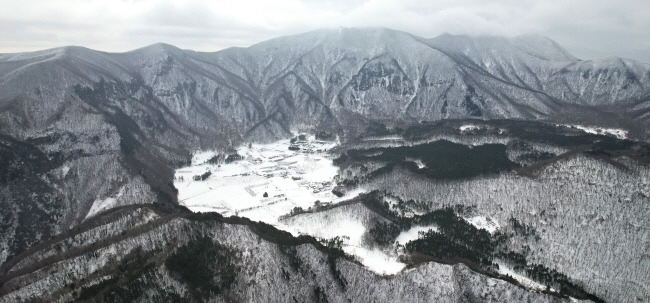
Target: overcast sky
588, 29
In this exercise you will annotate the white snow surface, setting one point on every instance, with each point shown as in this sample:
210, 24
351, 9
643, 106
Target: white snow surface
103, 204
417, 162
420, 164
200, 157
616, 132
64, 170
349, 223
414, 233
290, 178
383, 138
469, 127
481, 222
351, 231
376, 260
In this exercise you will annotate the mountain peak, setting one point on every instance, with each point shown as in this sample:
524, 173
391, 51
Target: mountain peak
158, 49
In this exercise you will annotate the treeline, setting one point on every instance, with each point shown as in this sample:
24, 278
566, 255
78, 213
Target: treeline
442, 159
218, 159
202, 176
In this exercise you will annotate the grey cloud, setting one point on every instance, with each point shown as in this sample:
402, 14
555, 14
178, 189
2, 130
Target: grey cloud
588, 29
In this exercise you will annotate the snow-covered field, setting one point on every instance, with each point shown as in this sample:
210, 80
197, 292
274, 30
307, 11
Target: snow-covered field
288, 178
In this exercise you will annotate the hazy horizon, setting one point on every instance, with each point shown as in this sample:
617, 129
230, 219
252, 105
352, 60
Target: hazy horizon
588, 30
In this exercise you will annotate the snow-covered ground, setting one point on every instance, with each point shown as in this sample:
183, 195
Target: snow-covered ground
468, 127
413, 233
616, 132
383, 138
480, 222
350, 227
376, 260
417, 162
103, 204
289, 178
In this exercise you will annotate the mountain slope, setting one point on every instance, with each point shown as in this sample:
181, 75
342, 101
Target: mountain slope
98, 263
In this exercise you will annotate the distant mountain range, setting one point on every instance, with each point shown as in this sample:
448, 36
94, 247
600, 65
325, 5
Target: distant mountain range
323, 78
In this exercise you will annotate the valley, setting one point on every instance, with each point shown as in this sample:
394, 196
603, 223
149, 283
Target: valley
266, 180
349, 165
291, 185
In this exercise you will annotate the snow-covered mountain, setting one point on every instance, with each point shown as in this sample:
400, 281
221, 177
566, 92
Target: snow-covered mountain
82, 131
318, 78
266, 265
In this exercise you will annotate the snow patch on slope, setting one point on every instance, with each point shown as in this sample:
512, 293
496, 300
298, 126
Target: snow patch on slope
526, 282
376, 260
616, 132
414, 233
200, 157
481, 222
103, 204
469, 127
417, 162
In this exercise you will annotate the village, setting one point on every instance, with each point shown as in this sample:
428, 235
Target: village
260, 181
